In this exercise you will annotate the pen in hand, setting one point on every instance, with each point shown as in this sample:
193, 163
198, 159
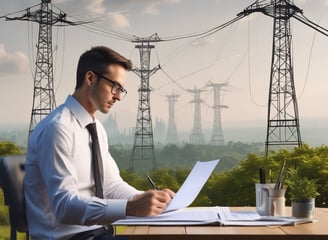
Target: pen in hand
152, 183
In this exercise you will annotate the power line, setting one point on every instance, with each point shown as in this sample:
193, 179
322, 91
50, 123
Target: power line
43, 92
204, 33
306, 21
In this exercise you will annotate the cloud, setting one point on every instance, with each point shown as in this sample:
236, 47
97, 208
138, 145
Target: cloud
116, 12
152, 7
147, 6
95, 7
118, 20
12, 63
120, 17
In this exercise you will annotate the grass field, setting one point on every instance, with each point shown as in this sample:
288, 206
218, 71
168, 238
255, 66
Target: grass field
5, 232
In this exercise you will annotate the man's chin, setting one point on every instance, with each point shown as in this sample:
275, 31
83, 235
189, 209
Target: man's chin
104, 110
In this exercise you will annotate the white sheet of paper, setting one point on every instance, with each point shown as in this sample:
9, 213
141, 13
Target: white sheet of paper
192, 185
185, 216
252, 218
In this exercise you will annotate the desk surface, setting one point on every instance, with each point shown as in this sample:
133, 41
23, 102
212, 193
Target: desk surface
308, 231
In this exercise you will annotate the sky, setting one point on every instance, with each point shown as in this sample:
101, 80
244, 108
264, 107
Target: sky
239, 55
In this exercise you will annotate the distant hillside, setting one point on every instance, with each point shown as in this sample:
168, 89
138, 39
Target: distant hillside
313, 132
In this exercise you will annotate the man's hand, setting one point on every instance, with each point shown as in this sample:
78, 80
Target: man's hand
150, 203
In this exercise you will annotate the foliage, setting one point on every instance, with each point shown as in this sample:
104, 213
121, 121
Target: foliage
236, 187
300, 187
5, 233
4, 215
185, 156
9, 148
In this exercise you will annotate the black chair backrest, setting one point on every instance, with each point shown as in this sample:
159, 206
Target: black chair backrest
12, 182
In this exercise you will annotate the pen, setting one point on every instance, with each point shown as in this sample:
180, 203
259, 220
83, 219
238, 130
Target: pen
262, 175
270, 176
152, 183
278, 183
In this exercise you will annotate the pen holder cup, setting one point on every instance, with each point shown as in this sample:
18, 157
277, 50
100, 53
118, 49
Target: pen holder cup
277, 202
262, 198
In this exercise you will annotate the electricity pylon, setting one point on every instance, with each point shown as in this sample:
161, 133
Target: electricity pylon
172, 135
197, 136
283, 120
43, 93
143, 147
217, 133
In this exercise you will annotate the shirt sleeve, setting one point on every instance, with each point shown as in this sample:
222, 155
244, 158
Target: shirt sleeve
59, 174
114, 186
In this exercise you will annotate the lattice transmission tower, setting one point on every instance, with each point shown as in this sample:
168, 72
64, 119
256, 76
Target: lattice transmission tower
172, 134
143, 147
197, 136
217, 133
43, 93
283, 119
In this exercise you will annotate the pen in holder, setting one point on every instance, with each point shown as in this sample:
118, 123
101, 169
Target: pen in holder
269, 200
280, 176
277, 201
262, 197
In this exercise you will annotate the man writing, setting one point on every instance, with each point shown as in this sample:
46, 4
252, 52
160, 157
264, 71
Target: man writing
63, 200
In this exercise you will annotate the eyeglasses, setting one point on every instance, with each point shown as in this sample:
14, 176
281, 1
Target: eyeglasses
116, 87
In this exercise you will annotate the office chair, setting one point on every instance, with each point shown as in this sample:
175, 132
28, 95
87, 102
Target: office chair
11, 180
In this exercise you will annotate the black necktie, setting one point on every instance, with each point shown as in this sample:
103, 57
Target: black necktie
97, 166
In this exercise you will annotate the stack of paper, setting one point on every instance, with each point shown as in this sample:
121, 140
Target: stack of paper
252, 218
185, 216
211, 215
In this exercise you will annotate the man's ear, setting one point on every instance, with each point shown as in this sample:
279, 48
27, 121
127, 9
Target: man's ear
89, 78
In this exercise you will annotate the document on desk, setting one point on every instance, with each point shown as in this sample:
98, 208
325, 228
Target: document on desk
184, 216
211, 216
252, 218
192, 185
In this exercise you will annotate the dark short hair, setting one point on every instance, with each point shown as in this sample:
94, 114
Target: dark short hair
97, 59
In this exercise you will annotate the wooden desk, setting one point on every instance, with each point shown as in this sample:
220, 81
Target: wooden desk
308, 231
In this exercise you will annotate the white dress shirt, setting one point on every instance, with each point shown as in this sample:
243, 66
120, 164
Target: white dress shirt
59, 184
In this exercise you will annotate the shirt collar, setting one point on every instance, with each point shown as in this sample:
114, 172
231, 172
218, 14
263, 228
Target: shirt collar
82, 116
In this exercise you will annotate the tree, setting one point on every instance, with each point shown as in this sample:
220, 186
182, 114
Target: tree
9, 148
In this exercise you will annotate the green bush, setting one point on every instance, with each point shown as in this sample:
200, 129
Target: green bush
4, 216
236, 187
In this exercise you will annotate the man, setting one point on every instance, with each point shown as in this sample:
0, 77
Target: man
59, 182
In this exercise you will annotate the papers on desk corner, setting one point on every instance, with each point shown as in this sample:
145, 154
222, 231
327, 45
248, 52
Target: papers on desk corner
252, 218
212, 216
